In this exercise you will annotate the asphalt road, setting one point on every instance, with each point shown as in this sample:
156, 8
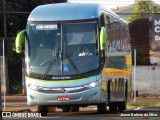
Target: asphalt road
88, 113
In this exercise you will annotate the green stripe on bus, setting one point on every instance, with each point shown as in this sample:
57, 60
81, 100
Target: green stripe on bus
62, 80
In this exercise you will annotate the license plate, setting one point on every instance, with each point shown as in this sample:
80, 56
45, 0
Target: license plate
63, 98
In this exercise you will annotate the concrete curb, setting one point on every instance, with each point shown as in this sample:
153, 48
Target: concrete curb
13, 97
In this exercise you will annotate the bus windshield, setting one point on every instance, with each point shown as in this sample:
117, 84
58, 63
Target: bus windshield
117, 62
63, 49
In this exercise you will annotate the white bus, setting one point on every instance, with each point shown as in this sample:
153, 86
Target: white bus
72, 54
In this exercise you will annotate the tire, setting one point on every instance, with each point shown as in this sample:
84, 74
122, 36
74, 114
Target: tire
126, 91
113, 107
75, 109
101, 108
66, 109
108, 92
122, 106
42, 109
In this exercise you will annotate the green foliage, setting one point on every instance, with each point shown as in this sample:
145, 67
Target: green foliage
14, 63
144, 103
17, 12
143, 9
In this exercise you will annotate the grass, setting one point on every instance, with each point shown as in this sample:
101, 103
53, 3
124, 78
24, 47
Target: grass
143, 103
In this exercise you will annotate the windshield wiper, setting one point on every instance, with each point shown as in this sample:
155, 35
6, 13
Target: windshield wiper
52, 62
74, 66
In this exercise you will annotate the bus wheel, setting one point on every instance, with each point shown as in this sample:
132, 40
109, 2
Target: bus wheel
66, 109
42, 109
75, 109
108, 92
101, 108
112, 107
122, 106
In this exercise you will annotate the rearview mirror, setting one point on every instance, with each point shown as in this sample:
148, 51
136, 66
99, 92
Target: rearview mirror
19, 41
103, 39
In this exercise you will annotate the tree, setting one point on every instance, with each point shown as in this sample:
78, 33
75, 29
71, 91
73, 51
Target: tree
143, 9
17, 12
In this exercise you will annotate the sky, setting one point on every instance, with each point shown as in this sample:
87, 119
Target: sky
110, 3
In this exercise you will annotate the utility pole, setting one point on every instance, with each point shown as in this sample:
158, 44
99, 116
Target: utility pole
4, 19
135, 75
4, 63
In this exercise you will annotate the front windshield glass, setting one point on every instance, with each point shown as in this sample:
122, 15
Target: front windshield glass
80, 49
44, 43
115, 62
63, 49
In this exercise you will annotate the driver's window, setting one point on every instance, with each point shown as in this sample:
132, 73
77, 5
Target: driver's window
86, 50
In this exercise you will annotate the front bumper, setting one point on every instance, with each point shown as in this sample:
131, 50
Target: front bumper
83, 97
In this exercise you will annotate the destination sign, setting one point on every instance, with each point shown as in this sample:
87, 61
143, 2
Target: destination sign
46, 27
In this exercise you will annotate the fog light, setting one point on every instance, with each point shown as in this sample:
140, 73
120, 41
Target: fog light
92, 96
33, 98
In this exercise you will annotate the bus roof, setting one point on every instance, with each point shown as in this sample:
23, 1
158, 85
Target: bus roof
67, 11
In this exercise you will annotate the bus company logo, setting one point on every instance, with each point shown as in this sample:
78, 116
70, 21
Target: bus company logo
21, 114
61, 78
6, 114
62, 90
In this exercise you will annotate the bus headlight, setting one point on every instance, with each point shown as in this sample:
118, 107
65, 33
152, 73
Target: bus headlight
38, 88
92, 84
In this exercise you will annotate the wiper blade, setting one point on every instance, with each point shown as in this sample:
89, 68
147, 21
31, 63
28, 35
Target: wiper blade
52, 62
